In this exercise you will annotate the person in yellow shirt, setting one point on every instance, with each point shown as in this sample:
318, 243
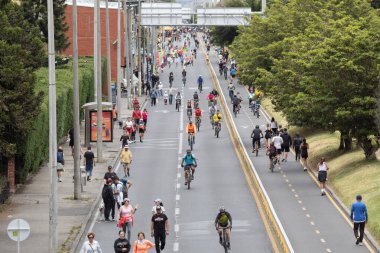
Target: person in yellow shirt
217, 117
191, 131
126, 159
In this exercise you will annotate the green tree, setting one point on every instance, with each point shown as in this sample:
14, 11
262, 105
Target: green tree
20, 49
318, 62
35, 11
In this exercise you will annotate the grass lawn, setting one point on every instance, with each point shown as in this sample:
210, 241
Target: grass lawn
350, 174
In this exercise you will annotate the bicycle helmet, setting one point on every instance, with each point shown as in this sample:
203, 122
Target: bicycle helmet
222, 209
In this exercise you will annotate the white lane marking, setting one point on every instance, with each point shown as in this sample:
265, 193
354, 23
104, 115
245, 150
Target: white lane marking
304, 208
312, 223
323, 240
178, 186
176, 228
176, 246
293, 190
328, 250
179, 158
290, 185
295, 195
180, 143
177, 211
299, 201
317, 232
179, 174
177, 197
287, 180
308, 215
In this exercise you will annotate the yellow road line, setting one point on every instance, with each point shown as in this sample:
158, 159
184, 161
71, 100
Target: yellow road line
269, 221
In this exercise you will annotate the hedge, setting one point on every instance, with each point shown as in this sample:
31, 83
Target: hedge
37, 143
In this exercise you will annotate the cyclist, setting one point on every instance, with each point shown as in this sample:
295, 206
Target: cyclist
195, 98
235, 103
200, 82
215, 92
212, 111
178, 99
271, 153
191, 130
210, 98
189, 108
217, 118
224, 220
189, 160
256, 135
171, 77
231, 88
184, 73
198, 115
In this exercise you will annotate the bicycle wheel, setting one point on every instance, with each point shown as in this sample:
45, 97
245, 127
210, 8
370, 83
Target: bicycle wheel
235, 112
225, 242
272, 165
188, 179
191, 144
257, 149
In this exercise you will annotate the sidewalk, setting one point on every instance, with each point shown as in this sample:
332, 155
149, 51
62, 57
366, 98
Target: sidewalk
31, 202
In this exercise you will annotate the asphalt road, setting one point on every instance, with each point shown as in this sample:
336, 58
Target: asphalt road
311, 221
219, 180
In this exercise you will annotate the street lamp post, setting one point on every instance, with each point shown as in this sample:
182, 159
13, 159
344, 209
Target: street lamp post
108, 53
118, 64
52, 133
99, 141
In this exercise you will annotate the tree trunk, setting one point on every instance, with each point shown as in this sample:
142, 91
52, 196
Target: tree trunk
11, 174
345, 140
341, 144
348, 143
369, 147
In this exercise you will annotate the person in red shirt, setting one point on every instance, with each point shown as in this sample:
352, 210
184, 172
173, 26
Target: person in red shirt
198, 116
210, 99
135, 103
144, 115
136, 115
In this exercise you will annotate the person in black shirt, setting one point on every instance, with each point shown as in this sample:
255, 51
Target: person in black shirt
71, 142
108, 200
297, 146
286, 144
110, 174
159, 229
90, 162
121, 244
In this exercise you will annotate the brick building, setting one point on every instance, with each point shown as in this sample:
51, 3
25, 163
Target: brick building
86, 31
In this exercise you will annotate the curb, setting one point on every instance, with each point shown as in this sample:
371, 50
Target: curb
75, 246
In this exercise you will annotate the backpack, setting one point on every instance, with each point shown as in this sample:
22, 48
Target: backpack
60, 157
105, 192
189, 159
272, 151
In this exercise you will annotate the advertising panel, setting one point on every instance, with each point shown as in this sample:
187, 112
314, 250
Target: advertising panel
107, 129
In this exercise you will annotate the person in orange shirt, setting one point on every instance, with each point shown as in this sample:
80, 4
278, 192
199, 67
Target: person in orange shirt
191, 130
141, 245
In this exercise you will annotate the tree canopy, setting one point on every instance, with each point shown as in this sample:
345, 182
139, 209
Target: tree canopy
318, 60
35, 11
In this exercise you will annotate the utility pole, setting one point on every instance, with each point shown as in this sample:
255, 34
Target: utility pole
139, 49
77, 183
95, 52
118, 64
52, 133
126, 50
99, 141
108, 53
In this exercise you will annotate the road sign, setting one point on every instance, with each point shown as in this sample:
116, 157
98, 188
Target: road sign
18, 230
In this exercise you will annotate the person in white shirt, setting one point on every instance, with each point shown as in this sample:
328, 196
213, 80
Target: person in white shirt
91, 246
277, 141
117, 188
158, 202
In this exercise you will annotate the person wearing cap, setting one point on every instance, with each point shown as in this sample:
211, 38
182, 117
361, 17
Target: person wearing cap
109, 174
359, 216
159, 229
126, 216
158, 202
126, 159
90, 162
108, 200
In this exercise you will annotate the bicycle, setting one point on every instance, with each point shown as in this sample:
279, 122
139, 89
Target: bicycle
184, 81
220, 71
256, 147
198, 122
224, 239
188, 176
235, 109
256, 111
273, 162
218, 127
196, 103
200, 88
212, 121
189, 114
191, 140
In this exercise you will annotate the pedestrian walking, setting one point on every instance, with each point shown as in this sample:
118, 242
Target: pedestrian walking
158, 202
322, 175
297, 141
118, 189
124, 139
136, 115
109, 174
145, 117
90, 162
71, 139
141, 128
170, 92
91, 246
60, 163
126, 216
153, 96
273, 125
141, 245
126, 159
122, 245
268, 136
108, 200
287, 142
304, 151
159, 229
359, 216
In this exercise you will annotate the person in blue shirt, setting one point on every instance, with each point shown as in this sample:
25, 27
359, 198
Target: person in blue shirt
200, 82
359, 216
189, 160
